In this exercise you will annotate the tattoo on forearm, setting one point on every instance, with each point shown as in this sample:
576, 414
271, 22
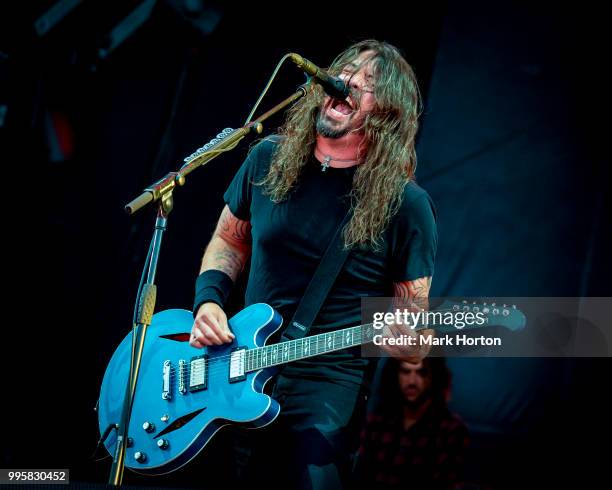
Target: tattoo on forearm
227, 261
414, 295
409, 293
230, 247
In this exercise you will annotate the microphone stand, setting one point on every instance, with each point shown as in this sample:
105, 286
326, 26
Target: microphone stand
161, 192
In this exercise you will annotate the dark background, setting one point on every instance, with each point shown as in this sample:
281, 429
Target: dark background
513, 150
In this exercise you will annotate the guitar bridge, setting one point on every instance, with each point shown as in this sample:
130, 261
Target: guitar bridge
167, 381
182, 375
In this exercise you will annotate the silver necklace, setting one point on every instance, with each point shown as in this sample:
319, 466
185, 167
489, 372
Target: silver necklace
327, 158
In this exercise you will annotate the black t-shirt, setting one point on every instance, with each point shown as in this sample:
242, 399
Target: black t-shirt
290, 237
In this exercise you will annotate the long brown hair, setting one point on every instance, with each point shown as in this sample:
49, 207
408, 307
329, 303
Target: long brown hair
390, 131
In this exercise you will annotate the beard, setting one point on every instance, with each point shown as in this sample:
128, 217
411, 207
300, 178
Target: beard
420, 399
326, 128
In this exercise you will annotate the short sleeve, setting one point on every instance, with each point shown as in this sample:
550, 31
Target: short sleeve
414, 237
239, 194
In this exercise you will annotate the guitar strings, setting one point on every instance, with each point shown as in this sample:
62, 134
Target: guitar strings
213, 362
321, 334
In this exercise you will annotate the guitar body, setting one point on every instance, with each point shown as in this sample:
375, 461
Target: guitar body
186, 399
185, 395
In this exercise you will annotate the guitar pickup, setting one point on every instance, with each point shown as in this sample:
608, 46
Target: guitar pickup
198, 373
237, 365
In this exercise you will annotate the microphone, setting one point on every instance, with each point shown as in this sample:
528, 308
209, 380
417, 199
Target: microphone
333, 86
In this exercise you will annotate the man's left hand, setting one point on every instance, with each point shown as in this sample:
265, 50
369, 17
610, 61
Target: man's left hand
405, 352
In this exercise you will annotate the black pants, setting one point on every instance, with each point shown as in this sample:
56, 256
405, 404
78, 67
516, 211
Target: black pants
311, 445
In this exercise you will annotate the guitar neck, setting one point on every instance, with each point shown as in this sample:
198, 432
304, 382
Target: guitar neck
293, 350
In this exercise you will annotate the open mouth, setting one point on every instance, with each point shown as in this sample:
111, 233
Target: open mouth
340, 108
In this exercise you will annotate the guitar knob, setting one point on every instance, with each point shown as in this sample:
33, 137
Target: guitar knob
505, 312
495, 311
163, 443
148, 427
140, 456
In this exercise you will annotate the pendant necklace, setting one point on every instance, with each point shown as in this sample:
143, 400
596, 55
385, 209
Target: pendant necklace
343, 163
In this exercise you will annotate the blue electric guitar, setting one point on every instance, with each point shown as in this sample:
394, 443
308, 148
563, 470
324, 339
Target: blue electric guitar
185, 395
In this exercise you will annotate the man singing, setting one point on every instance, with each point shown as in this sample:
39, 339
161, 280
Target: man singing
282, 209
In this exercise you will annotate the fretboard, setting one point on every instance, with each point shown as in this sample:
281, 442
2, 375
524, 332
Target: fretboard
293, 350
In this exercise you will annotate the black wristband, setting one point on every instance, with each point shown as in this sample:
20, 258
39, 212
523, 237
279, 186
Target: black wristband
212, 286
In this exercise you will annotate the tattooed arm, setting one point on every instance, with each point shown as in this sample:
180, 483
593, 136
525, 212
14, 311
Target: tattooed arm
230, 246
408, 292
412, 296
228, 251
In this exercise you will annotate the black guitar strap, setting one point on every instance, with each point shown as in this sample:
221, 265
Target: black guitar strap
319, 287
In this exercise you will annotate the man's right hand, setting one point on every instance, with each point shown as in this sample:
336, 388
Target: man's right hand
210, 327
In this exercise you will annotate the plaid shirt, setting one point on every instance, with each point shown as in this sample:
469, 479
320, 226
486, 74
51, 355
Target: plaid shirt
429, 455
